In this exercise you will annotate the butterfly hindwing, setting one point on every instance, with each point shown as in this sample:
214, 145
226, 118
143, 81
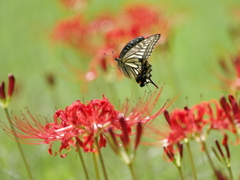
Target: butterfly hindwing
130, 67
144, 76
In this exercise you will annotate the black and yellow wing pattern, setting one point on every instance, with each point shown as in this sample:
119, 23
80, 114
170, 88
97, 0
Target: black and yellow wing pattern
133, 59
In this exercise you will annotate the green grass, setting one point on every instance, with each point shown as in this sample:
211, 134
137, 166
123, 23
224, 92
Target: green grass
199, 38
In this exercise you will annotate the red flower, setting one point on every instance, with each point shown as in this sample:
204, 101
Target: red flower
88, 121
74, 32
198, 121
82, 123
148, 18
183, 124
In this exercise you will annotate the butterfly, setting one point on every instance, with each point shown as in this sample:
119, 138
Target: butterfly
133, 62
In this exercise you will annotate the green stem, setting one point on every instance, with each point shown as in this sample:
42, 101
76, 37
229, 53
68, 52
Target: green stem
95, 166
208, 155
18, 144
191, 160
134, 177
113, 91
230, 172
82, 161
101, 159
180, 172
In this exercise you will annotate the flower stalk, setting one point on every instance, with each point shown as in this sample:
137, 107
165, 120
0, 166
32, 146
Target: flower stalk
94, 156
180, 172
130, 166
191, 159
19, 146
82, 161
175, 157
101, 159
4, 102
204, 146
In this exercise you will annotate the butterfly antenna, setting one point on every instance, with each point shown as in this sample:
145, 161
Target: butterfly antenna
114, 55
109, 55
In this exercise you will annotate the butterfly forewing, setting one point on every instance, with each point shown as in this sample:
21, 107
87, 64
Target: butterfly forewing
129, 46
143, 49
151, 41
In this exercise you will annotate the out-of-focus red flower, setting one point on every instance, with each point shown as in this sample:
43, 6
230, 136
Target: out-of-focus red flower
75, 4
82, 123
219, 175
73, 31
142, 18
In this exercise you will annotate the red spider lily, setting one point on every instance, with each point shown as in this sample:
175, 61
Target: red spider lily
73, 31
183, 124
89, 121
199, 120
82, 123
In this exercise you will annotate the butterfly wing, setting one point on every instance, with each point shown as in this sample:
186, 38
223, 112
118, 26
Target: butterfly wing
131, 44
144, 77
130, 67
132, 55
139, 48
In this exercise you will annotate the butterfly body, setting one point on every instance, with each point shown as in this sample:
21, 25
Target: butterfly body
133, 59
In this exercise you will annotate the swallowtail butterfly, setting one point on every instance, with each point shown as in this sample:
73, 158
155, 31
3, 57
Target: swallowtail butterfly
133, 59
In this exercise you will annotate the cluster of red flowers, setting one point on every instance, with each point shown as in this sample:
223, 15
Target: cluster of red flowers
82, 123
196, 122
108, 33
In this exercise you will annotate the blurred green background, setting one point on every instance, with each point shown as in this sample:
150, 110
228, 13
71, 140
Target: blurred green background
200, 36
